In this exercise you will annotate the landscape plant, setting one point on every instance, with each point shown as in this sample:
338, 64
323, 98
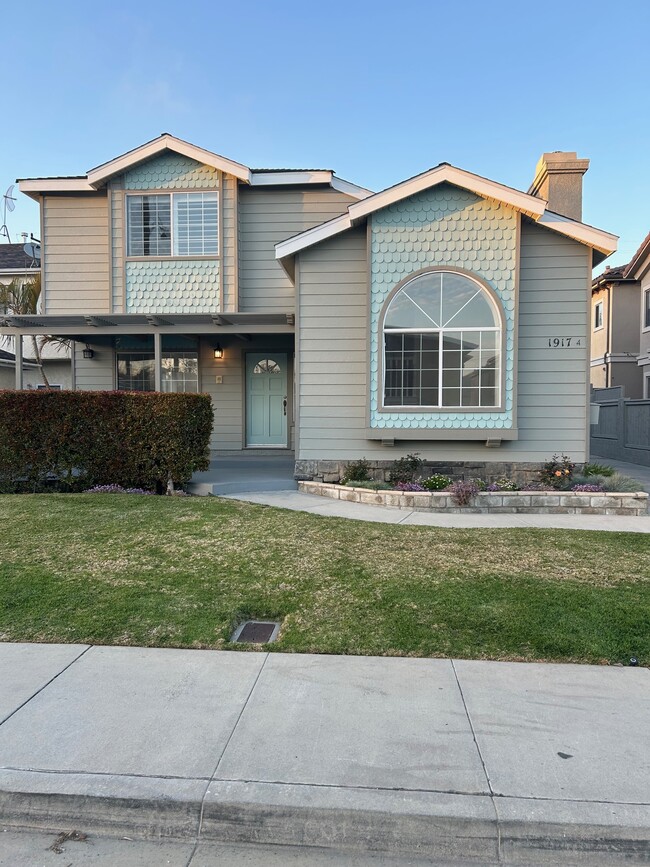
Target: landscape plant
557, 472
436, 482
502, 484
597, 470
463, 491
356, 471
405, 469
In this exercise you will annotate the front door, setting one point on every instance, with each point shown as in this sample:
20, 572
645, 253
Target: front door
266, 399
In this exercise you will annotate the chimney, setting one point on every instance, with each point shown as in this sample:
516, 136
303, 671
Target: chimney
558, 179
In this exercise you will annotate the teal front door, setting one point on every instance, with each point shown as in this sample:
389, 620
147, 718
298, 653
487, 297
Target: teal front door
266, 399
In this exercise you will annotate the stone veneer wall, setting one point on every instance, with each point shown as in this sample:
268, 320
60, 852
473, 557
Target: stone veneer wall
503, 502
333, 471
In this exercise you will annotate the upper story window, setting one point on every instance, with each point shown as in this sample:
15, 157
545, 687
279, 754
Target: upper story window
646, 308
598, 315
178, 224
442, 344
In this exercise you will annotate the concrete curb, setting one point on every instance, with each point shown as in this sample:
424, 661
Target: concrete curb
429, 824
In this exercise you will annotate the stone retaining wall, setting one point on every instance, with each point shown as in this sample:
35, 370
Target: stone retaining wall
333, 471
521, 502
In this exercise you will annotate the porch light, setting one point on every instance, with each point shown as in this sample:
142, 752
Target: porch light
218, 351
88, 352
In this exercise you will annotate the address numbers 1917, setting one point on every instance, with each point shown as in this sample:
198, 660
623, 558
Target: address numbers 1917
564, 342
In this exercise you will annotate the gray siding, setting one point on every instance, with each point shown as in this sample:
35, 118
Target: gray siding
118, 230
333, 367
229, 251
97, 373
76, 254
268, 215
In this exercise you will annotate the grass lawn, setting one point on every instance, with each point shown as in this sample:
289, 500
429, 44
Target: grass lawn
120, 569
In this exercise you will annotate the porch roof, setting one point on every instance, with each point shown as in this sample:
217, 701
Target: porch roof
271, 322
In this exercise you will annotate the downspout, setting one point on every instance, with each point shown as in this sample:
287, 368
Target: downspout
608, 383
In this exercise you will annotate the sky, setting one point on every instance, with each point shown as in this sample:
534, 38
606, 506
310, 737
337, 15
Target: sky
378, 91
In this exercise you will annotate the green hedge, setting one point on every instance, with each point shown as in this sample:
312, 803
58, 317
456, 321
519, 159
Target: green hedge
71, 440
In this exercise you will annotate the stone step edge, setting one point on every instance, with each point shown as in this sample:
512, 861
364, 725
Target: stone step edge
433, 825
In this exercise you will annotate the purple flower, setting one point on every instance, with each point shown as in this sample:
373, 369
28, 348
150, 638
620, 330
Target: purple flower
588, 489
409, 486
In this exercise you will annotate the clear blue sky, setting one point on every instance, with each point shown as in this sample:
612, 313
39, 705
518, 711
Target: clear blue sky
378, 91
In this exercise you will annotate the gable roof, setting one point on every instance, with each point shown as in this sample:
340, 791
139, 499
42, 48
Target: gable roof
639, 260
531, 206
98, 176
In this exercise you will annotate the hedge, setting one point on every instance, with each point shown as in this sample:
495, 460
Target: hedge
71, 440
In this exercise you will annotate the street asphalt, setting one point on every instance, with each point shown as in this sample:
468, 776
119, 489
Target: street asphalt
424, 760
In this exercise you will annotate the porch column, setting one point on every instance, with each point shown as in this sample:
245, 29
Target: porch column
19, 361
157, 360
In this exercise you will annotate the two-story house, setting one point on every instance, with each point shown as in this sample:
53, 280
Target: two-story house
447, 315
639, 270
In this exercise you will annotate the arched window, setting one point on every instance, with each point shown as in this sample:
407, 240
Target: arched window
442, 344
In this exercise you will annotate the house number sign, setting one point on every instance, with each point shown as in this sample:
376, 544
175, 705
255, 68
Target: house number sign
564, 342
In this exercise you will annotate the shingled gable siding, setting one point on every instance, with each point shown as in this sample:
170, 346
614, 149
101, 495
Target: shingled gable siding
76, 252
268, 215
333, 360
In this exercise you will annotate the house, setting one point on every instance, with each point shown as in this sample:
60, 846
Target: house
615, 332
15, 264
639, 270
447, 315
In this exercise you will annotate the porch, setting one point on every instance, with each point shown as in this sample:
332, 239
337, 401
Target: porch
246, 472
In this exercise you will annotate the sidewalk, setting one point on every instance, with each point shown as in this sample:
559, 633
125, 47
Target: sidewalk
434, 758
297, 501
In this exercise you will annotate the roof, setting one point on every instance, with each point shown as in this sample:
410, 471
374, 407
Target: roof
14, 258
636, 262
531, 206
97, 177
610, 275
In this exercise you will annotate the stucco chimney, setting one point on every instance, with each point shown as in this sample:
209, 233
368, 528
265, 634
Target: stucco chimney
558, 179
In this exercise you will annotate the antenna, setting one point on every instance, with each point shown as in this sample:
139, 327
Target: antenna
9, 204
34, 253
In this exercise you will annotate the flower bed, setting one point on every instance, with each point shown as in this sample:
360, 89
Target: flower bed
520, 502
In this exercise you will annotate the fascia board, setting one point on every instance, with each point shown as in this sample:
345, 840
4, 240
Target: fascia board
35, 187
120, 164
602, 241
312, 236
264, 179
530, 205
350, 189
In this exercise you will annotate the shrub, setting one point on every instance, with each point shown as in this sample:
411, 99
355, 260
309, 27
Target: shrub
74, 440
368, 484
409, 486
436, 482
405, 469
502, 484
618, 483
557, 472
597, 470
463, 491
357, 471
115, 489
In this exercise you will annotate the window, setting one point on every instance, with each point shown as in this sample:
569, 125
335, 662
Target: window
179, 224
136, 366
598, 315
50, 387
646, 308
442, 344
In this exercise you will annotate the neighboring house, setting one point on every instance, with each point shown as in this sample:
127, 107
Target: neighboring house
448, 315
56, 363
615, 332
15, 264
639, 270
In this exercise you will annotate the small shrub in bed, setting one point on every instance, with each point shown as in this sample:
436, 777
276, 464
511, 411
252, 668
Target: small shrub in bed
368, 485
356, 471
463, 491
618, 483
436, 482
597, 470
405, 469
558, 472
502, 484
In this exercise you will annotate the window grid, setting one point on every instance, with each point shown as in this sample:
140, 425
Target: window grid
173, 224
421, 369
646, 317
598, 315
136, 371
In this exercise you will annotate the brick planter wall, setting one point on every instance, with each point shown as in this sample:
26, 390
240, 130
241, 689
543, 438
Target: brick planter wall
520, 502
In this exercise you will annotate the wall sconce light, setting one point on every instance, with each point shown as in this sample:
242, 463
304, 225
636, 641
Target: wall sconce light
218, 351
88, 352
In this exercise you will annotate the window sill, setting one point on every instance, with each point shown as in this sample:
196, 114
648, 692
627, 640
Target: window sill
450, 433
214, 256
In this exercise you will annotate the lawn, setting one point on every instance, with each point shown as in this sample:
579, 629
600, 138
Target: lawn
175, 572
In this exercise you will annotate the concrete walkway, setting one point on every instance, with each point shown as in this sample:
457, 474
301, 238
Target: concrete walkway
434, 758
297, 501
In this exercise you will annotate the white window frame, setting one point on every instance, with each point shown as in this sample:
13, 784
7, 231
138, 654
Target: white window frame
440, 407
599, 305
645, 309
172, 227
